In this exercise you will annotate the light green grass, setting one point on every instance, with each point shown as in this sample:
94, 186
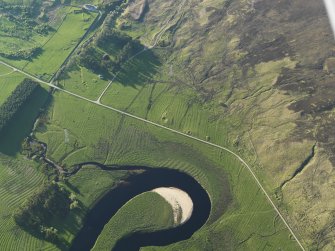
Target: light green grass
148, 212
19, 179
61, 44
84, 82
88, 185
240, 210
8, 82
57, 45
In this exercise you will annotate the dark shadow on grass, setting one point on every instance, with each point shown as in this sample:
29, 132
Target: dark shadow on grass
65, 73
72, 187
23, 121
140, 69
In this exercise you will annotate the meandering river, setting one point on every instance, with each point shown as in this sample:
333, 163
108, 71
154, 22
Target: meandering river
134, 185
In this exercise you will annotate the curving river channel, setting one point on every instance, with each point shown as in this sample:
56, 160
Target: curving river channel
134, 185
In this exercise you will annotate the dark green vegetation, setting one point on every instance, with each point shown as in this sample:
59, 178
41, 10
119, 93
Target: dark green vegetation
40, 209
19, 23
16, 100
109, 42
256, 78
38, 36
20, 111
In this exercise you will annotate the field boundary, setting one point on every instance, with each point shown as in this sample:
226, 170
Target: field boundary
91, 28
155, 41
173, 131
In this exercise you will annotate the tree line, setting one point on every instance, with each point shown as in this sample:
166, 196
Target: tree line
15, 101
38, 212
114, 42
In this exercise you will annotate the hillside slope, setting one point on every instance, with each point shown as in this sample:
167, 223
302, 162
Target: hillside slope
262, 70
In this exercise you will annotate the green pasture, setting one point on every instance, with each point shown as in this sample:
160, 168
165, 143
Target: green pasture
240, 210
148, 212
61, 44
8, 82
24, 37
57, 45
84, 82
19, 179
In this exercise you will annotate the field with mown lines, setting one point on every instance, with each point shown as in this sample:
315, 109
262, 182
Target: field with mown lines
83, 135
238, 204
19, 179
141, 102
170, 108
4, 70
147, 211
120, 95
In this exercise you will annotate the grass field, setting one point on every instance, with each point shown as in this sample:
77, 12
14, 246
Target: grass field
8, 82
61, 44
238, 205
57, 45
23, 39
19, 179
84, 82
147, 211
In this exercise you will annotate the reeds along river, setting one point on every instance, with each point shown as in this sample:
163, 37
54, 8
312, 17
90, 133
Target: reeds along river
136, 184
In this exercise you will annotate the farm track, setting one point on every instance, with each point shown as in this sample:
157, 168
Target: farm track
156, 39
98, 103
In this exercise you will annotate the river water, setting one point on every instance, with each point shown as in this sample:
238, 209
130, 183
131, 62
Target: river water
106, 208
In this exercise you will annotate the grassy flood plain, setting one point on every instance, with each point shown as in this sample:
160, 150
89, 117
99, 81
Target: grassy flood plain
147, 211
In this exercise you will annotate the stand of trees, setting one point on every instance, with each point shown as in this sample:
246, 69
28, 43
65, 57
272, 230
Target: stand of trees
125, 46
14, 102
37, 213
